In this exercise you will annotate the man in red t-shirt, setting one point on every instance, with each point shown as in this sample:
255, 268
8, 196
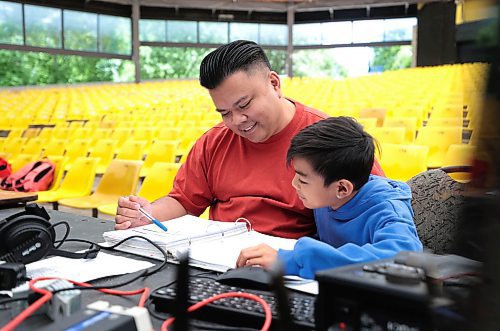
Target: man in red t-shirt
238, 168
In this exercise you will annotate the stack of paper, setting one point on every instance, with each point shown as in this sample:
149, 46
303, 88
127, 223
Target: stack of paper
212, 245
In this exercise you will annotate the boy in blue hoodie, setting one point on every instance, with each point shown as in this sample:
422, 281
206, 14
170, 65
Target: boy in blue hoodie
359, 217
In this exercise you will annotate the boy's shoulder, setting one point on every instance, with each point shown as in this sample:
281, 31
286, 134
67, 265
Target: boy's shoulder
388, 183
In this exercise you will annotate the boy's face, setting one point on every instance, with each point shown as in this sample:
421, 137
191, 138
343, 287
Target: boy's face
311, 188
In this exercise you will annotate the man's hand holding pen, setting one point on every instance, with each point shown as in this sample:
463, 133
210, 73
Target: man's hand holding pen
128, 214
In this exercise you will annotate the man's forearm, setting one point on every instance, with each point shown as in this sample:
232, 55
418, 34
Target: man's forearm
166, 208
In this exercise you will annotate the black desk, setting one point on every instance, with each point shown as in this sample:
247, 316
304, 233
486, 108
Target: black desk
90, 228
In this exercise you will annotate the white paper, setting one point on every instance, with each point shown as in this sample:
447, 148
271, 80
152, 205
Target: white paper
221, 254
81, 270
213, 245
84, 270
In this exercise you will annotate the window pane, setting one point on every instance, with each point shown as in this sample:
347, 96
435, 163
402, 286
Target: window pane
273, 34
307, 34
43, 26
37, 68
171, 62
182, 32
80, 31
335, 62
213, 32
11, 23
277, 58
152, 30
399, 29
391, 58
316, 63
245, 31
368, 31
355, 60
115, 35
336, 33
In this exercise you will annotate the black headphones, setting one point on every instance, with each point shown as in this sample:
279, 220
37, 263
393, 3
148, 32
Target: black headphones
28, 236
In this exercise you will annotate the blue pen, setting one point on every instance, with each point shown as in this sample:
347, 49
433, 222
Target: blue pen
154, 220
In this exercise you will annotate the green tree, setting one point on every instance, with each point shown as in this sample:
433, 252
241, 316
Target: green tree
277, 59
31, 68
172, 62
316, 63
392, 57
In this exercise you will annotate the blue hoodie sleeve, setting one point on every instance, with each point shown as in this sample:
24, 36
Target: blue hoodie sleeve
310, 256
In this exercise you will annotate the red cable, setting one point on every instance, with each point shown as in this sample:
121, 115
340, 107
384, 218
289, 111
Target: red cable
47, 295
265, 305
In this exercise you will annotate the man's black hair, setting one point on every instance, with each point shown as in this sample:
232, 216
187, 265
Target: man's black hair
337, 148
227, 59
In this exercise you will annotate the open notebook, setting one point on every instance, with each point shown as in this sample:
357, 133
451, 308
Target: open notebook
212, 245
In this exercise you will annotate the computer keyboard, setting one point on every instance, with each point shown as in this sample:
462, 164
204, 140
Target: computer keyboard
236, 311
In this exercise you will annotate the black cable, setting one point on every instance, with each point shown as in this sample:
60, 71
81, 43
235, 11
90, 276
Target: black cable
9, 300
52, 226
144, 273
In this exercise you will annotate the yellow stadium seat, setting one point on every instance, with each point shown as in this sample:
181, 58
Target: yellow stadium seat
81, 133
120, 179
169, 134
99, 134
55, 147
378, 113
13, 146
417, 113
20, 160
190, 135
161, 151
368, 123
445, 121
120, 135
78, 182
31, 132
448, 112
46, 133
76, 148
61, 133
206, 214
409, 123
33, 146
58, 172
104, 150
132, 150
438, 139
15, 133
401, 162
156, 184
459, 155
385, 135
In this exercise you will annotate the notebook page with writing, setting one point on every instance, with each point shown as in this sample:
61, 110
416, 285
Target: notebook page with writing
221, 254
182, 232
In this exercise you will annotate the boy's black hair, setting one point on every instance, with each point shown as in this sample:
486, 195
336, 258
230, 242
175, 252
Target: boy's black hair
337, 148
227, 59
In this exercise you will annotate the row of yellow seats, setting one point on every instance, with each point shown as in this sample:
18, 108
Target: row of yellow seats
401, 162
104, 151
436, 139
121, 178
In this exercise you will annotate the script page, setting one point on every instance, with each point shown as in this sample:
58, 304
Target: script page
221, 254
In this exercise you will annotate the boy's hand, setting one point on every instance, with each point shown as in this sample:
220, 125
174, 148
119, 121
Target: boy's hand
263, 255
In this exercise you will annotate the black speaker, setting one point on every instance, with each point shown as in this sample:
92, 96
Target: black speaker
28, 236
